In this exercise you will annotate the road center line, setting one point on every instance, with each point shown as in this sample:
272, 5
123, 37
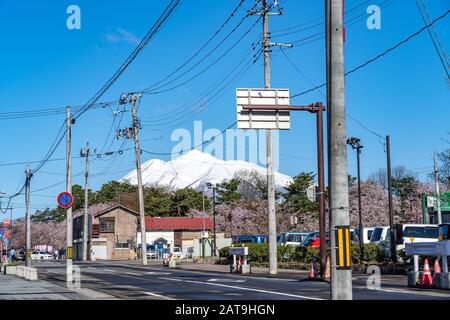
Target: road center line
243, 288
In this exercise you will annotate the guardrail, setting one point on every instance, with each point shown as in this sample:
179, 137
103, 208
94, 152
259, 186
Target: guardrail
438, 249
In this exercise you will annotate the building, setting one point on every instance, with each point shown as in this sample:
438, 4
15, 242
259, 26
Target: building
112, 232
181, 231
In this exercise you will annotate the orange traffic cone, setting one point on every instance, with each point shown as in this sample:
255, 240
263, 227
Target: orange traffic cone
437, 267
313, 273
437, 271
426, 276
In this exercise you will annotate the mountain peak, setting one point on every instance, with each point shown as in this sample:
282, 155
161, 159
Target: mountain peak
195, 168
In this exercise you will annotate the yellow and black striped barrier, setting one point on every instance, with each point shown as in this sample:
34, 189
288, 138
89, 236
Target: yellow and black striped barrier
343, 257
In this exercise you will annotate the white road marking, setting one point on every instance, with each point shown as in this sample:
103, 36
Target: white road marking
157, 295
226, 280
133, 273
246, 289
158, 273
110, 270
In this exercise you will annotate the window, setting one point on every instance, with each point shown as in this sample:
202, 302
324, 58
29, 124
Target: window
122, 245
107, 225
376, 234
421, 232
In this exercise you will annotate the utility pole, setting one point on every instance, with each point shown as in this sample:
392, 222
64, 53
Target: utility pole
69, 236
438, 196
85, 153
214, 222
27, 216
129, 133
341, 278
204, 217
269, 148
355, 143
135, 123
391, 211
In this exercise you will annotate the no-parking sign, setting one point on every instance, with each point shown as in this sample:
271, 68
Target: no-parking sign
65, 200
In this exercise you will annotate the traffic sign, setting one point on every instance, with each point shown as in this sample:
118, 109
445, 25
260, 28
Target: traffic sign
263, 119
65, 200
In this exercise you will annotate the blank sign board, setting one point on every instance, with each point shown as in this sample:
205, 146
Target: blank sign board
263, 119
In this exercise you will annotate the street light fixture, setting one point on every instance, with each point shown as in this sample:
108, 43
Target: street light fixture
214, 188
356, 145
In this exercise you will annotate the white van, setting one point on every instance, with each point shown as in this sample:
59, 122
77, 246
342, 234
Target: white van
379, 234
408, 233
367, 233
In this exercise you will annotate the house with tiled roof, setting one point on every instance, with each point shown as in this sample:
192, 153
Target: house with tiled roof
181, 231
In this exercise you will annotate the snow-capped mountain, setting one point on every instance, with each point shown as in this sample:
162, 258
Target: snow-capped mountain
195, 169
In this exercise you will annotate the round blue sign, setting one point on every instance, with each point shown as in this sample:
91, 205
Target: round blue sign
65, 200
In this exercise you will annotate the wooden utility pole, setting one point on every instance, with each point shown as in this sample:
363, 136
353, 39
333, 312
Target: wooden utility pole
85, 153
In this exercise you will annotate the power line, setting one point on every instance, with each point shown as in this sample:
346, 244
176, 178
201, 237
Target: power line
439, 50
190, 149
201, 48
206, 68
147, 38
376, 57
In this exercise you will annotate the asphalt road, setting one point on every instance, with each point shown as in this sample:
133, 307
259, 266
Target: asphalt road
125, 280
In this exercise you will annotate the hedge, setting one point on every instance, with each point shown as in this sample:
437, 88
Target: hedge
259, 253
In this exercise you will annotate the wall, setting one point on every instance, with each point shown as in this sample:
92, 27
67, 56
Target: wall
125, 225
151, 236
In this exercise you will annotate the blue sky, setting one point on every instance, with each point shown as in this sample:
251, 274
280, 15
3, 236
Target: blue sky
45, 65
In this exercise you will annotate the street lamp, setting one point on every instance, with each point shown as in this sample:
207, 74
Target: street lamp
355, 143
214, 188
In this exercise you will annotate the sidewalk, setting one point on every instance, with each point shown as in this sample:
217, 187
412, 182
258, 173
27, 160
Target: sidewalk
256, 271
15, 288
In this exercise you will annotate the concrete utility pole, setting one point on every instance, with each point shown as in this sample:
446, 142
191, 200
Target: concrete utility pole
438, 197
273, 268
69, 190
135, 123
85, 153
341, 279
391, 209
27, 216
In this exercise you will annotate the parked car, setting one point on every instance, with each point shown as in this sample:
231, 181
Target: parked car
41, 255
408, 233
315, 243
293, 238
177, 253
379, 234
367, 233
